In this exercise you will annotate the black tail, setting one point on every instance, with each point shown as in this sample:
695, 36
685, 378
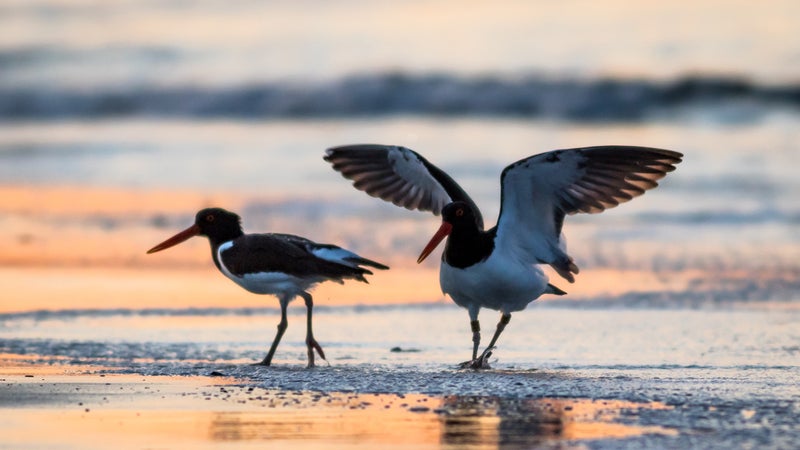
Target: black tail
552, 289
367, 262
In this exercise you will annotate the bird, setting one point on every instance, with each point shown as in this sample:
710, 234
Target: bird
283, 265
501, 268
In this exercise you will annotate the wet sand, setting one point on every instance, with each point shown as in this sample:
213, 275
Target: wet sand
82, 407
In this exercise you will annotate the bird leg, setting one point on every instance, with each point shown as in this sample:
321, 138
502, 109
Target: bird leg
482, 362
476, 337
282, 325
476, 342
310, 341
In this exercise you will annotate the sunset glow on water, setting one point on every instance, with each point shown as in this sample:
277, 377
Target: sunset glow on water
120, 119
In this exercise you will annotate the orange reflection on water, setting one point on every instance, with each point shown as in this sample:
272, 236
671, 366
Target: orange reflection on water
55, 288
57, 254
532, 422
81, 226
73, 201
90, 410
79, 247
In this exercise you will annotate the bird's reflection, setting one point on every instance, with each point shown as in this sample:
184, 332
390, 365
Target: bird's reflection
417, 419
504, 421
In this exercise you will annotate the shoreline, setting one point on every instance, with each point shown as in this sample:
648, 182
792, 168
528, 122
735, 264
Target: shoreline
85, 407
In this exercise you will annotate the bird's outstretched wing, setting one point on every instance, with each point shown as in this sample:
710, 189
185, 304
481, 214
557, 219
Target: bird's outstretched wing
398, 175
538, 191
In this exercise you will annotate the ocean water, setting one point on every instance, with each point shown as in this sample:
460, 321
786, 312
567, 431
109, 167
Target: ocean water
432, 337
685, 377
119, 119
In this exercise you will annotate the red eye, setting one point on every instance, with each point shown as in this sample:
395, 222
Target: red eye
210, 218
459, 212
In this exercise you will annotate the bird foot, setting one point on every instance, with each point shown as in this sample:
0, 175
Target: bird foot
481, 362
314, 345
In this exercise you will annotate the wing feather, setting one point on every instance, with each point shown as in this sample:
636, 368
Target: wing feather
398, 175
538, 191
387, 187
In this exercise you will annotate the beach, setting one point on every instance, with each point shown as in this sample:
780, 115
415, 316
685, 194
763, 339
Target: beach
120, 119
87, 407
165, 412
717, 381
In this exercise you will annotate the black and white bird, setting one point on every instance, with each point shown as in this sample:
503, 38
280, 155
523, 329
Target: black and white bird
283, 265
500, 268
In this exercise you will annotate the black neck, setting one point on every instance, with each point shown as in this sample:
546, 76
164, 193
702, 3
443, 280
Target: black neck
224, 235
467, 245
220, 238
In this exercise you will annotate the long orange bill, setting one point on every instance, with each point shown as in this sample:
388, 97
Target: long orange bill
443, 232
193, 230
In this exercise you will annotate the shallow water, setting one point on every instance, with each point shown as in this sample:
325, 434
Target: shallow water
707, 347
722, 377
424, 337
213, 412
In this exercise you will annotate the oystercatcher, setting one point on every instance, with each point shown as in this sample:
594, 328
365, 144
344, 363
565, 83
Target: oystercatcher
283, 265
500, 268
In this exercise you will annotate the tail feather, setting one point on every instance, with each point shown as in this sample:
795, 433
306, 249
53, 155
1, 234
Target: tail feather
358, 260
339, 272
360, 277
553, 289
352, 265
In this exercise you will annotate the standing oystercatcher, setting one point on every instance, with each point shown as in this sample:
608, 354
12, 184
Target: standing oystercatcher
500, 268
280, 264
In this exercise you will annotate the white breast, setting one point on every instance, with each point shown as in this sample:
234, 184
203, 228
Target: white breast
500, 283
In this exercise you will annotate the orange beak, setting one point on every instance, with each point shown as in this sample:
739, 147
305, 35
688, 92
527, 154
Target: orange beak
193, 230
443, 232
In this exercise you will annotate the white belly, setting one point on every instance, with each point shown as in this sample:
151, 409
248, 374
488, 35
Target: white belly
498, 283
276, 283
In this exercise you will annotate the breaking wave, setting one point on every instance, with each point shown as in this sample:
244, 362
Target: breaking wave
604, 99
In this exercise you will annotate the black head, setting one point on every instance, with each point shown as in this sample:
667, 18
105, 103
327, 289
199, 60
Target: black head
217, 224
459, 214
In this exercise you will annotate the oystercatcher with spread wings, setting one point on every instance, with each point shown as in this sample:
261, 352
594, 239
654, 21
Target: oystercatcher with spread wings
284, 265
500, 268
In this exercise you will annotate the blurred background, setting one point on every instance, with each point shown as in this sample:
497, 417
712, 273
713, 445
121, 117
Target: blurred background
121, 118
